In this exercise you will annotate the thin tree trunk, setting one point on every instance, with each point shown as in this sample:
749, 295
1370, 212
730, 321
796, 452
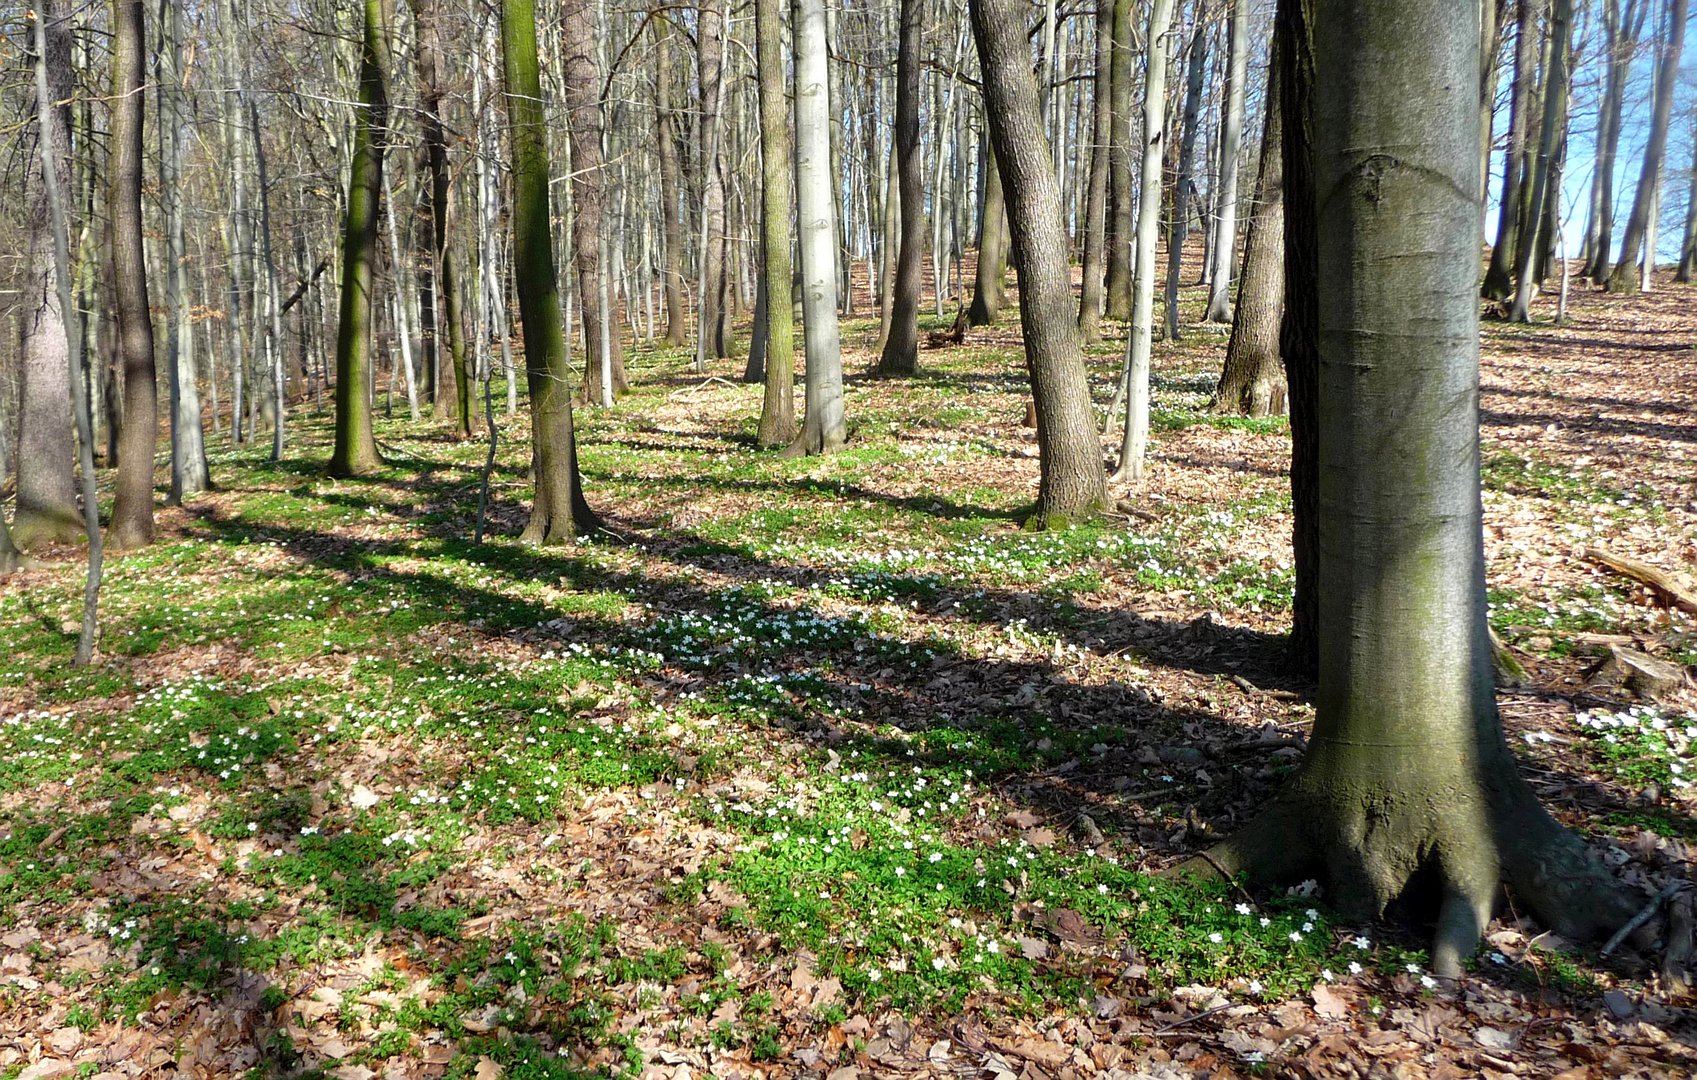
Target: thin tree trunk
189, 474
1499, 278
588, 180
1071, 483
1688, 242
774, 323
559, 511
988, 288
453, 399
900, 355
1178, 228
824, 428
1252, 382
132, 508
1231, 143
1120, 229
665, 127
1623, 30
1623, 280
712, 288
355, 452
1096, 200
1138, 347
1554, 115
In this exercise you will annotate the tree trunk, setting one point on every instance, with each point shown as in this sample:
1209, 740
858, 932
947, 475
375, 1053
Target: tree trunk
1252, 382
132, 508
1299, 328
1622, 32
1096, 199
1493, 19
46, 511
666, 149
1408, 790
453, 400
559, 511
1623, 279
355, 452
1688, 241
1136, 437
601, 346
901, 349
777, 328
1527, 258
1118, 241
1499, 278
823, 429
713, 287
1070, 453
1231, 142
188, 444
1178, 228
988, 293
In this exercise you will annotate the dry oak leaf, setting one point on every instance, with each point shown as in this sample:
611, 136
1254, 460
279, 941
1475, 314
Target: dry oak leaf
1327, 1003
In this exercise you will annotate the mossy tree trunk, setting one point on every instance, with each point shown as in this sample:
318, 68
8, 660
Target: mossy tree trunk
1409, 790
132, 508
1070, 454
355, 452
777, 328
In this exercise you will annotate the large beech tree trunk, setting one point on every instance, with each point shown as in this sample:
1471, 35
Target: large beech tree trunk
1096, 198
46, 509
989, 289
1624, 279
1231, 142
901, 347
1070, 453
355, 453
777, 409
1408, 790
559, 511
824, 428
1252, 382
132, 509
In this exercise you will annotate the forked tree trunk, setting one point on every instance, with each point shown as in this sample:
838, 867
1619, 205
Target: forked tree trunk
46, 511
666, 150
559, 511
1231, 143
132, 509
988, 290
355, 452
777, 327
1624, 279
823, 429
1499, 277
1119, 257
1408, 790
1136, 437
1070, 454
901, 348
1253, 382
1096, 198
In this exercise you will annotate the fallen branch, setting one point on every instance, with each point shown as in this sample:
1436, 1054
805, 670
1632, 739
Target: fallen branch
1642, 917
704, 384
1669, 591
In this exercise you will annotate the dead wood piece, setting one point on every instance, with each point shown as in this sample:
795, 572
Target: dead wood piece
1668, 590
1650, 678
1676, 956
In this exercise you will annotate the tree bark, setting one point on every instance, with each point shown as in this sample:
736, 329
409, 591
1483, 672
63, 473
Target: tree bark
1096, 198
132, 508
559, 511
355, 452
988, 288
46, 511
1069, 452
189, 474
1299, 328
714, 299
824, 429
1231, 144
1688, 241
1624, 279
1178, 227
1136, 437
1252, 382
901, 349
666, 149
1622, 30
1120, 229
583, 112
1408, 790
453, 399
777, 328
1499, 277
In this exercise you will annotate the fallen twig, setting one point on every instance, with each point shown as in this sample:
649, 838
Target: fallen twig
1642, 917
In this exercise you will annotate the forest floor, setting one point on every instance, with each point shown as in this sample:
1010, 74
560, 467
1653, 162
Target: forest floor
817, 768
